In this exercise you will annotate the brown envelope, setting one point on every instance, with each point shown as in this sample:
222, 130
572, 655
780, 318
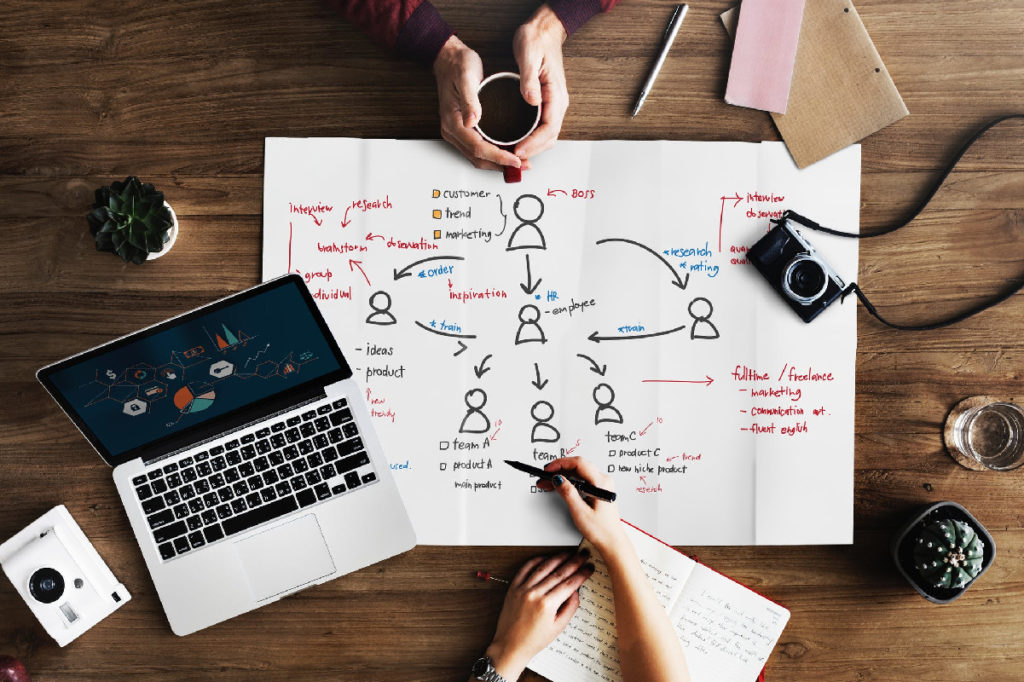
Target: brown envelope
841, 90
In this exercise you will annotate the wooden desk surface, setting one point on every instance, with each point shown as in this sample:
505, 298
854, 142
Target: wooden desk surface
182, 93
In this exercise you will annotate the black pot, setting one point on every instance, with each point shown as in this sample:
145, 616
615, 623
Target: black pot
902, 549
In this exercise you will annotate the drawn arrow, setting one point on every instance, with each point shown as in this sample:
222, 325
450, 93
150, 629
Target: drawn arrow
462, 347
404, 272
480, 370
707, 381
358, 264
441, 333
315, 220
371, 236
345, 221
737, 198
555, 192
597, 338
538, 383
529, 288
594, 367
721, 216
676, 280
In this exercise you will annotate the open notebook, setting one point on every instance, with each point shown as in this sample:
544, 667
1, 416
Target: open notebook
727, 630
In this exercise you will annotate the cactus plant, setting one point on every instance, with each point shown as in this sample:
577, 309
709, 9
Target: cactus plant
948, 554
130, 219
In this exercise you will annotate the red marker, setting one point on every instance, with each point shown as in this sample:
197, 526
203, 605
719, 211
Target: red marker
486, 575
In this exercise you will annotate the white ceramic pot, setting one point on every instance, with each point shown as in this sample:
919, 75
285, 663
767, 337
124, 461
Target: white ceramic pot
170, 242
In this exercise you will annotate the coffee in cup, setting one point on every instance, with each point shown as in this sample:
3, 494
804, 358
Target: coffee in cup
506, 118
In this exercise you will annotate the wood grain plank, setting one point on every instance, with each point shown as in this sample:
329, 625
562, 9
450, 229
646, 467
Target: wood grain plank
183, 94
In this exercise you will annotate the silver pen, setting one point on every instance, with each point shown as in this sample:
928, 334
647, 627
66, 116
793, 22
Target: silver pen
670, 35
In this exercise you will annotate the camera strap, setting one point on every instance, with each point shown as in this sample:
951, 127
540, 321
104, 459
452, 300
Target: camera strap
854, 289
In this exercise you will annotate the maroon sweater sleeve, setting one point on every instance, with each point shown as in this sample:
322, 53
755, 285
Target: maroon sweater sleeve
574, 13
413, 28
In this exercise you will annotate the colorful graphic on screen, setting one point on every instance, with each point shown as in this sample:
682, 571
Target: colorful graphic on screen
202, 368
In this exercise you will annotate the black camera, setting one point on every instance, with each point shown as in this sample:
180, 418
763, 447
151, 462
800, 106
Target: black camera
796, 271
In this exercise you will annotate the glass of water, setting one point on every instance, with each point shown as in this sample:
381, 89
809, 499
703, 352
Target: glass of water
991, 433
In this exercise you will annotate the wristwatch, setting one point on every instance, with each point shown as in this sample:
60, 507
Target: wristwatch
484, 670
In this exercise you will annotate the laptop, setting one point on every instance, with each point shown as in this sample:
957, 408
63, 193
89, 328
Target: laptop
242, 449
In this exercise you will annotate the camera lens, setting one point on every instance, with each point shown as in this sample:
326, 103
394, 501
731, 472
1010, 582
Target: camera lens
804, 279
46, 585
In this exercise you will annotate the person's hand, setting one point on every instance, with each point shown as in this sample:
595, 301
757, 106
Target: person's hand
459, 71
538, 51
596, 519
541, 600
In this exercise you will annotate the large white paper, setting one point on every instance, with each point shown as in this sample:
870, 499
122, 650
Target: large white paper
603, 307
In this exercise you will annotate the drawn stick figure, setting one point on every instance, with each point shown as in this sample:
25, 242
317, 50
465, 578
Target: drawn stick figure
543, 432
702, 327
527, 234
380, 302
529, 328
604, 396
475, 420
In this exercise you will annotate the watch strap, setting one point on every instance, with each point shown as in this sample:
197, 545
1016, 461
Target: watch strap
489, 674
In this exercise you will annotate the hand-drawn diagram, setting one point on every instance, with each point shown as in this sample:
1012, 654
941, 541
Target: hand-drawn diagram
475, 420
527, 234
380, 303
700, 310
543, 431
529, 330
608, 311
606, 413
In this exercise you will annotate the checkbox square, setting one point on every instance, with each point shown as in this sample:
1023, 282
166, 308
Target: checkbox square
443, 445
436, 193
612, 453
437, 214
444, 466
437, 234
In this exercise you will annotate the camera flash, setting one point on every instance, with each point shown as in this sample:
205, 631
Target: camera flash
68, 612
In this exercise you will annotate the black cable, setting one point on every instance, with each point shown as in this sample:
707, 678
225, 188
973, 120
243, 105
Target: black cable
807, 222
854, 289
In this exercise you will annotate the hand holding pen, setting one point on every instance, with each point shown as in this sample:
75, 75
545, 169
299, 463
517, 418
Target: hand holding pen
596, 519
584, 487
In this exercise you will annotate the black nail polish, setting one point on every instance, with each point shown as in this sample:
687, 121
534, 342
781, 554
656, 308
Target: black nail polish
589, 567
584, 552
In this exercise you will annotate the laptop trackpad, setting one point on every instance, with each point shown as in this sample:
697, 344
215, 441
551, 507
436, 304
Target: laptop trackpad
285, 557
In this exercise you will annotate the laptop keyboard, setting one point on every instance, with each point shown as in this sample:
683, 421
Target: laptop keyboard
255, 477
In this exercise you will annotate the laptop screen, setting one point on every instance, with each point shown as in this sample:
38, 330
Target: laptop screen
198, 375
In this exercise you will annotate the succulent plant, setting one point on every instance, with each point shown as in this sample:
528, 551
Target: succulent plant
948, 554
130, 219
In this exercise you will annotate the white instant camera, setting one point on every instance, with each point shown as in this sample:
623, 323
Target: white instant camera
61, 577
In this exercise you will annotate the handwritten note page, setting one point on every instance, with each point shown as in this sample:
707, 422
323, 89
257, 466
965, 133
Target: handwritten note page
602, 307
586, 650
727, 631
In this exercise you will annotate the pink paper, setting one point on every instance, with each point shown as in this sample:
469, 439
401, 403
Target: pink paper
764, 53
